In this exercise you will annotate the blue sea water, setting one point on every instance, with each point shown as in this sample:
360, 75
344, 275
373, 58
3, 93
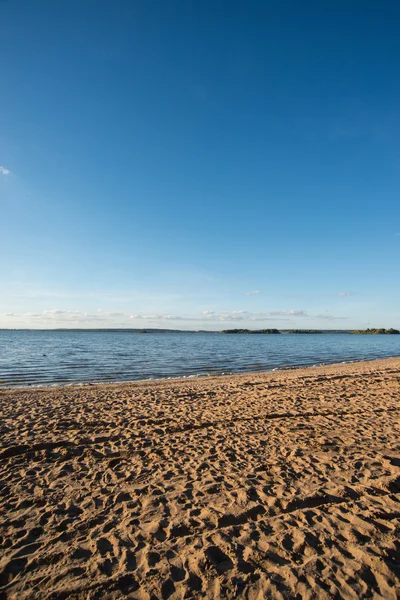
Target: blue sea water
66, 357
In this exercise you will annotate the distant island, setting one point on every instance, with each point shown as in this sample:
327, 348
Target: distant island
311, 331
375, 331
274, 331
304, 331
250, 331
211, 332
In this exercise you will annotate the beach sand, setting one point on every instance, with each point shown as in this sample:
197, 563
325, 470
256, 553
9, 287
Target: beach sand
269, 485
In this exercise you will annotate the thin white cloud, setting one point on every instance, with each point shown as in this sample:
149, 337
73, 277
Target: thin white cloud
253, 293
345, 294
4, 171
329, 317
284, 313
71, 318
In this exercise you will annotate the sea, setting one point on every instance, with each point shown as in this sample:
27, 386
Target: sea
32, 358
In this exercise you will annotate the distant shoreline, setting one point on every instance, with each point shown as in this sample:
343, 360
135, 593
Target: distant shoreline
211, 332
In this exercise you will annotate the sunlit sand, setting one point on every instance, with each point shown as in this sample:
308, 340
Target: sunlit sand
274, 485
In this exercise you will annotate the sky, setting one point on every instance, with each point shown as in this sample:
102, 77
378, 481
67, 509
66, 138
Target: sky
199, 164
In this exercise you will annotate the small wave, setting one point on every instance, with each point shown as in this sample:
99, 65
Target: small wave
191, 357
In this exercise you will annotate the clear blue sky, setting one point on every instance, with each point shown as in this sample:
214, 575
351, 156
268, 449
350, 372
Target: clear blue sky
162, 159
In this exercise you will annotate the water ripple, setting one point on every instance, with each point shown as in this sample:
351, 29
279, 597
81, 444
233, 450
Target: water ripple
53, 357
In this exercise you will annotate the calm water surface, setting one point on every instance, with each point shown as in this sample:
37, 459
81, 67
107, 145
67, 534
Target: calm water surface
64, 357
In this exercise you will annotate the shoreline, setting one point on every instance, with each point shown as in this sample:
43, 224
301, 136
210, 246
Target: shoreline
274, 484
195, 376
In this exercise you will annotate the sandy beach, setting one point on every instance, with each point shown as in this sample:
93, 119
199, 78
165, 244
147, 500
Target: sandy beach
271, 485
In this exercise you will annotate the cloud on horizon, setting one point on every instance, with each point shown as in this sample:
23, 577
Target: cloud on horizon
253, 293
103, 318
345, 294
4, 171
329, 317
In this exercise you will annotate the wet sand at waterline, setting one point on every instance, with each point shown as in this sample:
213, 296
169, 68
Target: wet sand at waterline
269, 485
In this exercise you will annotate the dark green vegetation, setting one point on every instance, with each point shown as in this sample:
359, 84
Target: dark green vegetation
312, 331
271, 331
375, 331
250, 331
304, 331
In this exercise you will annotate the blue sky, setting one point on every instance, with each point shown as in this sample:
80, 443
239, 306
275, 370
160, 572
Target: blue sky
190, 164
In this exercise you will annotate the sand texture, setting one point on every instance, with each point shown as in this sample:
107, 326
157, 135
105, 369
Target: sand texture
276, 485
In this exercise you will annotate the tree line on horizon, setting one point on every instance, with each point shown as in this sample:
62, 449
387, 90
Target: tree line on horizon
270, 331
390, 331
